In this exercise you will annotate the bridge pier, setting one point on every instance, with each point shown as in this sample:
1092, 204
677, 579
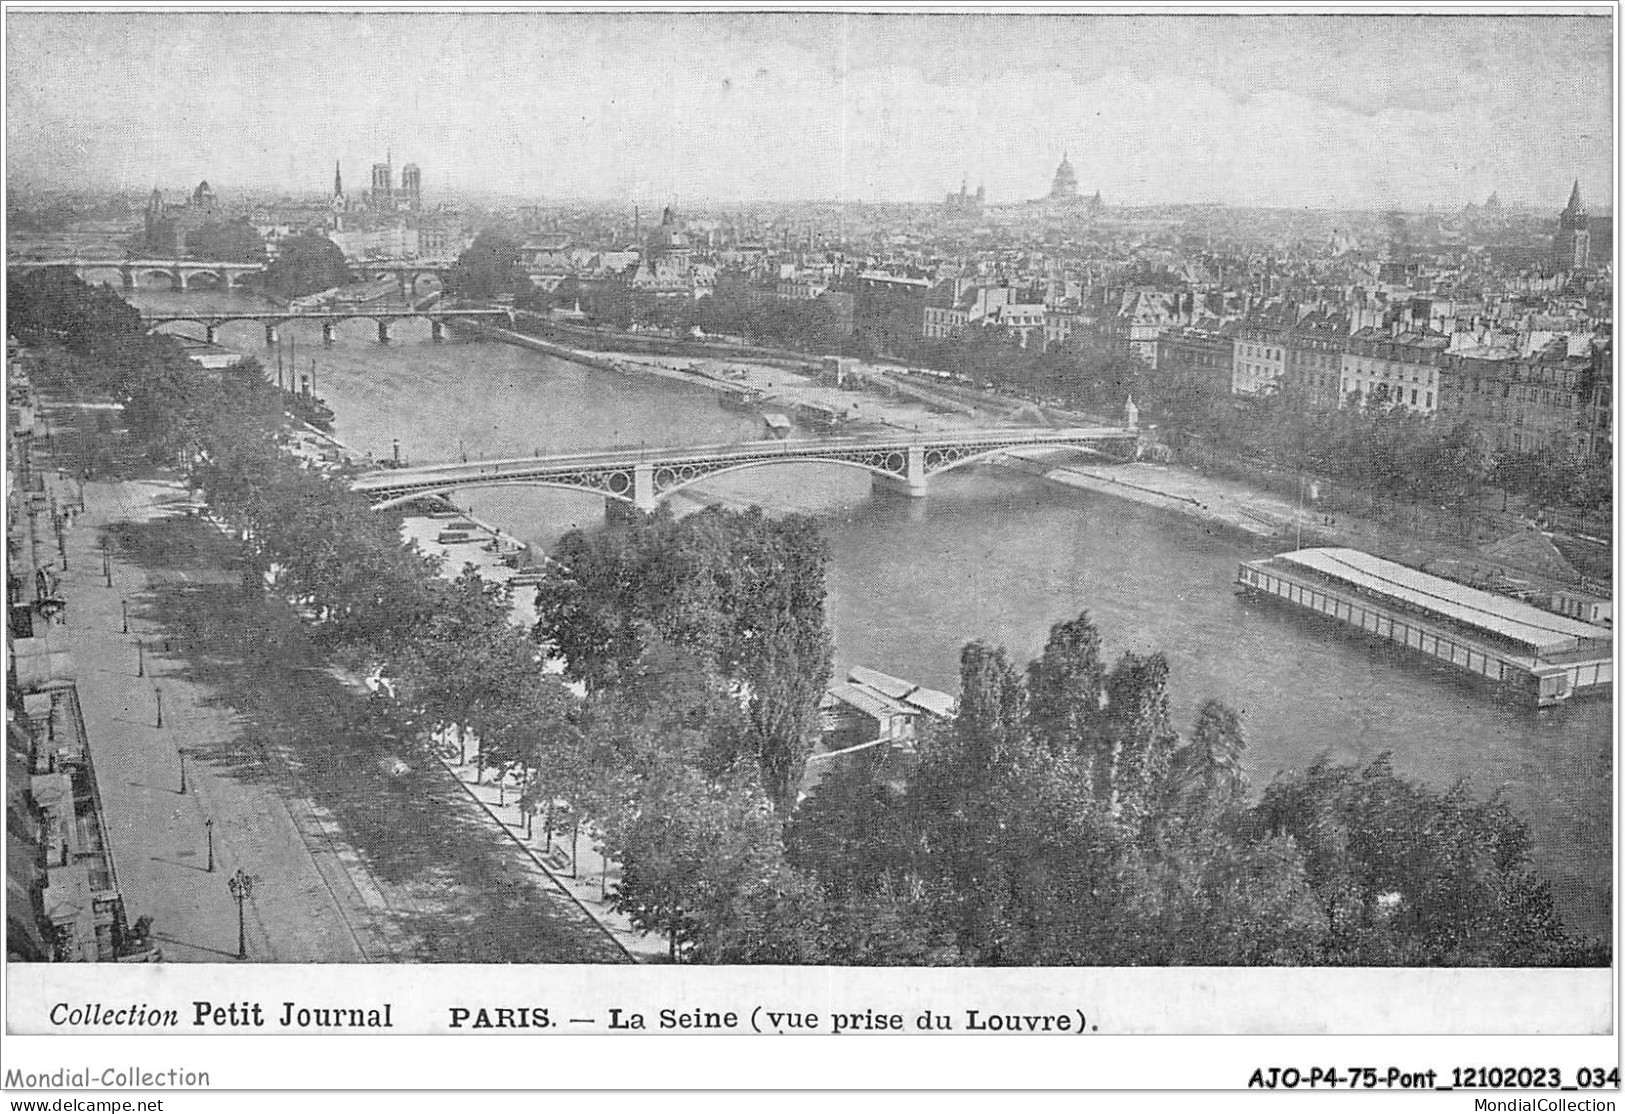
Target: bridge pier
271, 336
211, 333
126, 278
912, 482
180, 278
643, 488
437, 330
329, 333
383, 332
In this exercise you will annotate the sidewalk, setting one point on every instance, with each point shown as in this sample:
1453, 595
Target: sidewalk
157, 832
356, 855
587, 884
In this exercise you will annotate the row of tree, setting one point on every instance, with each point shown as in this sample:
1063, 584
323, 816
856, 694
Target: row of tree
1386, 450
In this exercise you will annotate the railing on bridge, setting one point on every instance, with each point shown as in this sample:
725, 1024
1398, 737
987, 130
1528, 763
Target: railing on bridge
644, 476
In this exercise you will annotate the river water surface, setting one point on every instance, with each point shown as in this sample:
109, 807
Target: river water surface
999, 556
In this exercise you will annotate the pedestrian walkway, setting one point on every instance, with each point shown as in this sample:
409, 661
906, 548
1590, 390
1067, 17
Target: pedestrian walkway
589, 879
159, 805
352, 859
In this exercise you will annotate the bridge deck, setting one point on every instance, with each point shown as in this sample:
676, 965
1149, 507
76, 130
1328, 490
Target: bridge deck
314, 315
519, 468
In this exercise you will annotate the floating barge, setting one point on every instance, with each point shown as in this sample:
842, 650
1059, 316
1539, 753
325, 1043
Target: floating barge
1547, 656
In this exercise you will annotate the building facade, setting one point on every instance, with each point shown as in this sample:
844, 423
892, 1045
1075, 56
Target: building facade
1197, 355
1525, 403
1258, 363
1313, 364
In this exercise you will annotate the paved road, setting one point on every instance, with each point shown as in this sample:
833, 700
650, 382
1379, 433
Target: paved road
352, 863
158, 833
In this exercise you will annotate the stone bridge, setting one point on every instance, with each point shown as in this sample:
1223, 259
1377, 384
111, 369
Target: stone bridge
128, 271
437, 316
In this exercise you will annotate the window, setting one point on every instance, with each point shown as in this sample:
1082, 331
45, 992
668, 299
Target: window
1430, 400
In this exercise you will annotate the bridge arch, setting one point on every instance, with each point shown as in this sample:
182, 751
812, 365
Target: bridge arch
472, 483
169, 276
163, 327
679, 477
220, 279
95, 276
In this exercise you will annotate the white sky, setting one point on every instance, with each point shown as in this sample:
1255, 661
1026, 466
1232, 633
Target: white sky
1331, 111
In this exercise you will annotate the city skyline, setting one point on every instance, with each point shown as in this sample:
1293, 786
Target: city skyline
1294, 111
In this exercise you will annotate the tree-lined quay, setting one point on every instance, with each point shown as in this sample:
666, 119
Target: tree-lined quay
1061, 818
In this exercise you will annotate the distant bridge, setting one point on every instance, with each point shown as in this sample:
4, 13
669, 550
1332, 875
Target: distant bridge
437, 316
181, 272
129, 271
644, 477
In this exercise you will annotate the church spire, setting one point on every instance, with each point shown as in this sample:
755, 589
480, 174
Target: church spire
338, 180
1575, 204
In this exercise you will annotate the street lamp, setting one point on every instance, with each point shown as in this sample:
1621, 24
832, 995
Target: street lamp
124, 614
182, 754
208, 828
140, 659
241, 886
159, 693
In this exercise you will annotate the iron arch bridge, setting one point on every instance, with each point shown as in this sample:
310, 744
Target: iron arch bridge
644, 477
329, 319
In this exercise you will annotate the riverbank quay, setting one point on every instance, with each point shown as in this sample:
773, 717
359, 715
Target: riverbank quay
1248, 511
773, 381
587, 879
588, 338
147, 718
356, 854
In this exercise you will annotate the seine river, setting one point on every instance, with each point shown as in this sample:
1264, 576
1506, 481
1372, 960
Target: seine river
999, 556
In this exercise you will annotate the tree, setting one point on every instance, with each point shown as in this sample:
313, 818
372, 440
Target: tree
959, 796
1066, 686
1409, 876
693, 855
232, 241
488, 269
741, 593
1137, 739
305, 264
1206, 771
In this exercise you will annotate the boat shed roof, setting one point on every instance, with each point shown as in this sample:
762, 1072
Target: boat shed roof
918, 697
1541, 632
866, 700
894, 687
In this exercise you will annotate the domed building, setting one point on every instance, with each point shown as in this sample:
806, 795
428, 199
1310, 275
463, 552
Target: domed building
1065, 187
666, 266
